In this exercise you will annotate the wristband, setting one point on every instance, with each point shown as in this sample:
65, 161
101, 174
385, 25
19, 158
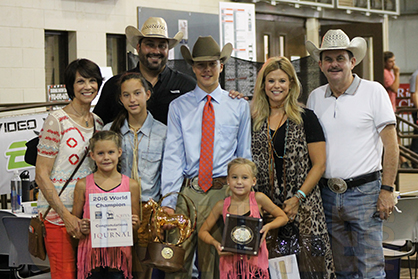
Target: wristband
387, 188
300, 198
303, 194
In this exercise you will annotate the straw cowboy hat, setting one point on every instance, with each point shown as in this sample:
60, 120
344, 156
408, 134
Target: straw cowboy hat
336, 39
206, 49
153, 27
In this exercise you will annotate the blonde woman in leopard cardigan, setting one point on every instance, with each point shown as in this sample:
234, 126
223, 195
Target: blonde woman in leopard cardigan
288, 147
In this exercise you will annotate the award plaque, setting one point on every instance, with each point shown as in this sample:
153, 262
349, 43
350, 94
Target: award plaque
241, 234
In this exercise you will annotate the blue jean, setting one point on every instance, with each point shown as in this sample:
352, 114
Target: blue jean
356, 236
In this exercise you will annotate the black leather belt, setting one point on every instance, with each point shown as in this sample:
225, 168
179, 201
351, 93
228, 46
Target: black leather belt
354, 181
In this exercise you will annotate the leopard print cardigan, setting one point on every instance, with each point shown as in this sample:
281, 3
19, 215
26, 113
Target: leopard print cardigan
310, 218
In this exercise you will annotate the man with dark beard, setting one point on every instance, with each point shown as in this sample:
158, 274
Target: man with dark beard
152, 44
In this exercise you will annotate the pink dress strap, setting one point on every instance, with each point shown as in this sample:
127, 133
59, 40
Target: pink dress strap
243, 266
114, 257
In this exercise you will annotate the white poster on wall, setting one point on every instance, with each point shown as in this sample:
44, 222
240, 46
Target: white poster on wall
107, 73
184, 27
237, 26
14, 133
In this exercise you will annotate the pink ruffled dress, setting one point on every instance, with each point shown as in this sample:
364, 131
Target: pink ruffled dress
114, 257
243, 266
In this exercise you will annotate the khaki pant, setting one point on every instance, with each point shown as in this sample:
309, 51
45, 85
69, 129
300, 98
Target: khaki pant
143, 237
207, 255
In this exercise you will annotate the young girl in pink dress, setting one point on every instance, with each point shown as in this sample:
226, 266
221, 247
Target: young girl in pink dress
245, 202
111, 262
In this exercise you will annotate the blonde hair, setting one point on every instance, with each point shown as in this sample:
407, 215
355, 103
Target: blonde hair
105, 135
260, 106
243, 161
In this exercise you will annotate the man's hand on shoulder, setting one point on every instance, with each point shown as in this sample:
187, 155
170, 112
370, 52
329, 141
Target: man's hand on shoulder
235, 94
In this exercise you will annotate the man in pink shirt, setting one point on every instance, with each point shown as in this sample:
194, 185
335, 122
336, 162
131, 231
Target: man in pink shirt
391, 77
391, 83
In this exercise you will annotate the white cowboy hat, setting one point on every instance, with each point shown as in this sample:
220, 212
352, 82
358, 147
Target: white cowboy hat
206, 49
336, 39
153, 27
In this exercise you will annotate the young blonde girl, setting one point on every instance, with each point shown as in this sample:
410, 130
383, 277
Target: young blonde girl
114, 262
245, 202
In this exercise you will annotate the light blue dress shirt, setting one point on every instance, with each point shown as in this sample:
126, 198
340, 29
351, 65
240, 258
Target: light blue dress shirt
184, 132
150, 154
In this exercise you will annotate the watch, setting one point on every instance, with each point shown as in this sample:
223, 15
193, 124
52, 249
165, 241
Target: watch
387, 188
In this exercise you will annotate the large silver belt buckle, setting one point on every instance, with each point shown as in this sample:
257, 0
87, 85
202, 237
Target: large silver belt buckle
194, 184
337, 185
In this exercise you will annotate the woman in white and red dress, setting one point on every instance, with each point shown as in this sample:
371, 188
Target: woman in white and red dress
62, 143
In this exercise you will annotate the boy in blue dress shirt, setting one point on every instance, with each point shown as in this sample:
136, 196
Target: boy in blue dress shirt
206, 129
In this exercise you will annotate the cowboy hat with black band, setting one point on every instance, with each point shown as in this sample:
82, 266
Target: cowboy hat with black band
153, 27
336, 39
206, 49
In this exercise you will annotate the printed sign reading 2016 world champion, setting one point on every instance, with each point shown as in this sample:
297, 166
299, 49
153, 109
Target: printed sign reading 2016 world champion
110, 219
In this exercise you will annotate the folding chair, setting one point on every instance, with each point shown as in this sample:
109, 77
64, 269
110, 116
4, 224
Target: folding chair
17, 231
4, 240
399, 231
4, 243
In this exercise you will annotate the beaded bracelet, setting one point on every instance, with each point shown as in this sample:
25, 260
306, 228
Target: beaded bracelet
300, 197
303, 194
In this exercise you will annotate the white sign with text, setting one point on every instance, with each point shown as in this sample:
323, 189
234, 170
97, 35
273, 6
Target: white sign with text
14, 133
237, 26
110, 220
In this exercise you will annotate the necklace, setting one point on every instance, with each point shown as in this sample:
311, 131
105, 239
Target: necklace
278, 106
87, 121
277, 128
272, 152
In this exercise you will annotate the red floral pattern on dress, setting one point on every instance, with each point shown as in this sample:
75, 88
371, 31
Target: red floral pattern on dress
49, 153
53, 139
58, 133
72, 142
73, 159
53, 132
65, 117
74, 128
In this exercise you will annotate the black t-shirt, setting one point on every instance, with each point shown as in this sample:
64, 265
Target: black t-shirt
314, 133
171, 84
